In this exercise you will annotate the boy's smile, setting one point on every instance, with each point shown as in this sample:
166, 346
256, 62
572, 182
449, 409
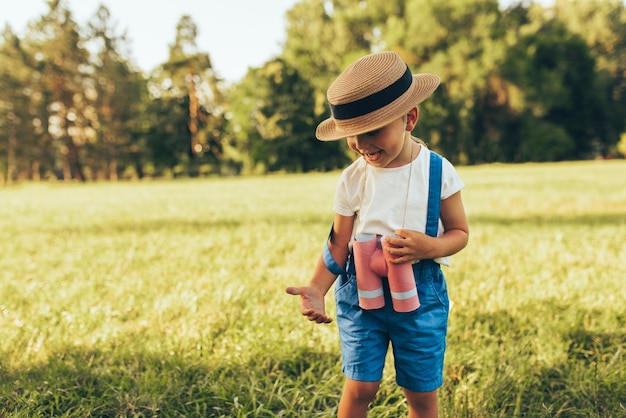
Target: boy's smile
372, 157
383, 147
389, 146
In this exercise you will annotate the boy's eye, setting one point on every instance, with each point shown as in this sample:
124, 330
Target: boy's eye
373, 133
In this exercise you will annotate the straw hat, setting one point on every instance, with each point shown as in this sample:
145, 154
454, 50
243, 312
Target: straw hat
372, 92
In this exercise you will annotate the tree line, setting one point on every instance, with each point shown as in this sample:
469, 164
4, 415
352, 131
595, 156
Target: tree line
522, 83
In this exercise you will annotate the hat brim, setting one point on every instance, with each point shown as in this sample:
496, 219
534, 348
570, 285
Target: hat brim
332, 129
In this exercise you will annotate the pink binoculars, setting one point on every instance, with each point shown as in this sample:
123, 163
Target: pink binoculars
372, 263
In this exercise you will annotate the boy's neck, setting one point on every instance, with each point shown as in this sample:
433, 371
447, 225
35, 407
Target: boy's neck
410, 150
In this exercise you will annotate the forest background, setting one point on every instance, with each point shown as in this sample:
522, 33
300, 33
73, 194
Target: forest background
523, 83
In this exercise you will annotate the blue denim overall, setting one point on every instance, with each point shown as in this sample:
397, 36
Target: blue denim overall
418, 338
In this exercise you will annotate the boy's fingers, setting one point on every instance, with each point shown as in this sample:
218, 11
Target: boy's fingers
320, 319
398, 240
293, 290
400, 233
390, 241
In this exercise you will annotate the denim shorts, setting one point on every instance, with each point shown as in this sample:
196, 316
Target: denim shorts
418, 338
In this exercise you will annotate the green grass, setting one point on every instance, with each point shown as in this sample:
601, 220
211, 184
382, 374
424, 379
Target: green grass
167, 298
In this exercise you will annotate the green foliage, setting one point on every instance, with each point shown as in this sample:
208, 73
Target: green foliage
524, 83
119, 94
183, 138
555, 74
545, 141
14, 104
323, 37
60, 60
499, 69
167, 298
273, 121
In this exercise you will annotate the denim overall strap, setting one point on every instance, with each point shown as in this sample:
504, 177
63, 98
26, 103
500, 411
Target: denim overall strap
434, 195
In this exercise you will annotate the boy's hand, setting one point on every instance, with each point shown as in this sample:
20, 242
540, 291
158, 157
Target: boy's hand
311, 303
411, 246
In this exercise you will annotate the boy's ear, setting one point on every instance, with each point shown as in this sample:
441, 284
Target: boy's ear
412, 117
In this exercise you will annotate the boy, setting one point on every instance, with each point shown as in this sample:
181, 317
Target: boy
387, 194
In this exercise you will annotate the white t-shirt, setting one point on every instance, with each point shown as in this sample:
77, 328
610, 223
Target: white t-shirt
379, 195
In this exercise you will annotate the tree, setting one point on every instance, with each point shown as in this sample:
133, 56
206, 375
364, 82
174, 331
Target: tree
323, 37
602, 25
554, 75
462, 41
60, 80
14, 100
273, 110
120, 92
187, 79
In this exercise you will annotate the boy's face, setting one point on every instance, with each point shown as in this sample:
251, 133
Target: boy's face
382, 147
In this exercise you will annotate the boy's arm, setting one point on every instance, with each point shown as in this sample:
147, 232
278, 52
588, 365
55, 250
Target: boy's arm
312, 295
455, 227
413, 245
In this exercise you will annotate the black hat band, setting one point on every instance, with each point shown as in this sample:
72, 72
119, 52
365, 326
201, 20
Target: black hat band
374, 101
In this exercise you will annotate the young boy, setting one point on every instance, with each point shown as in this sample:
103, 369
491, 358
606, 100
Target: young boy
387, 194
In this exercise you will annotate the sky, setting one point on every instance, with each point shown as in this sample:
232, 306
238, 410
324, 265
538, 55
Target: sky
237, 34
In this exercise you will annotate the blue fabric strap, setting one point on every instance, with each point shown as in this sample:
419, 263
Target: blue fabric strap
434, 195
329, 261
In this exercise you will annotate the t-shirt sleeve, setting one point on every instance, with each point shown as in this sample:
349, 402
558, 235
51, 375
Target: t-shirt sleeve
450, 180
347, 193
341, 204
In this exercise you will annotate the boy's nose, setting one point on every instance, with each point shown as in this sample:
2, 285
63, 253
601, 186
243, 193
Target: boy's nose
360, 142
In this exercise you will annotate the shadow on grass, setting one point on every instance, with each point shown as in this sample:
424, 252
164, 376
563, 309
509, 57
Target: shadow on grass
498, 365
124, 383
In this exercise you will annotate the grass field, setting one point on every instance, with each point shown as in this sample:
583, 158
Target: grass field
167, 298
